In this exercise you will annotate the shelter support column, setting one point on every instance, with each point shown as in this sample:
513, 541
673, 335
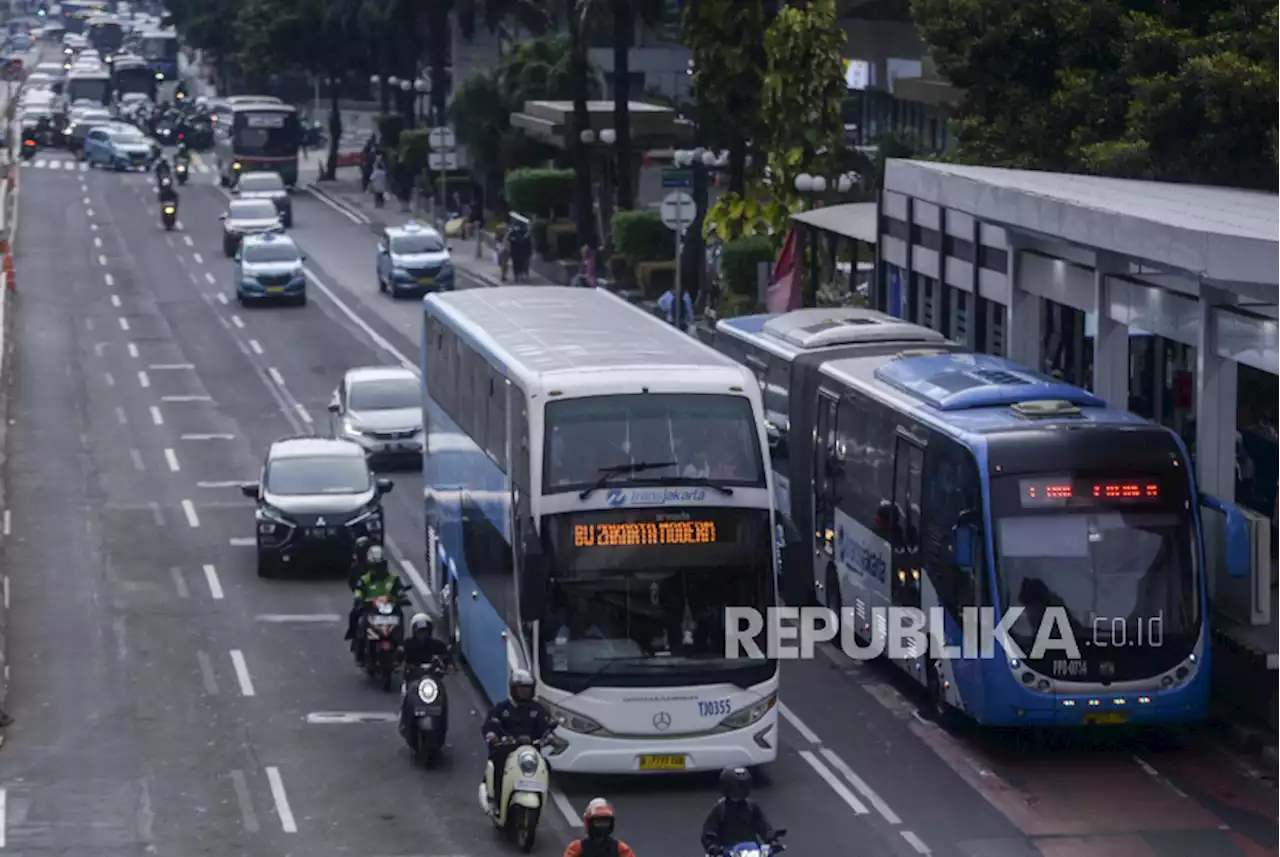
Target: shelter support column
1024, 324
1111, 345
1215, 404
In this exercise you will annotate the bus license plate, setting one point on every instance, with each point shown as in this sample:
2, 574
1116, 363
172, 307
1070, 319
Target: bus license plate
662, 763
1106, 718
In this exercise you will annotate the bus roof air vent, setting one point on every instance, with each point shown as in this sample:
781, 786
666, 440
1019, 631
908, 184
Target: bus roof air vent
837, 326
961, 381
1046, 408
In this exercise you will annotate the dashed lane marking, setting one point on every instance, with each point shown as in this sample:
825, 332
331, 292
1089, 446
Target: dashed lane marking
215, 585
282, 800
242, 673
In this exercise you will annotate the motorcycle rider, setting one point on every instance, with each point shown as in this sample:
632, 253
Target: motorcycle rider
515, 716
183, 155
421, 646
735, 818
167, 192
163, 171
376, 582
597, 823
358, 567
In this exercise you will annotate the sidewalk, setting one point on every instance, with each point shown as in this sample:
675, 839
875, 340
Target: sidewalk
472, 257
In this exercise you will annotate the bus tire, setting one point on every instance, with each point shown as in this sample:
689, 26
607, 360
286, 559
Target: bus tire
940, 711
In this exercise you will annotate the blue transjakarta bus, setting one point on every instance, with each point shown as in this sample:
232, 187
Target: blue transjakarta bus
932, 477
597, 493
160, 50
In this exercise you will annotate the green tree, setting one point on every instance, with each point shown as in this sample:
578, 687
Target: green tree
503, 17
203, 24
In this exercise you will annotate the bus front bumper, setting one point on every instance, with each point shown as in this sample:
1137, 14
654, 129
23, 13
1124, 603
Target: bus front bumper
576, 753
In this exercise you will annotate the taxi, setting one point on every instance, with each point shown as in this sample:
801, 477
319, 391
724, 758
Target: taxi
413, 260
269, 268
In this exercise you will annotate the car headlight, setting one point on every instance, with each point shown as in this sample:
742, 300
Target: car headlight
428, 691
752, 713
571, 720
351, 428
249, 283
528, 762
269, 520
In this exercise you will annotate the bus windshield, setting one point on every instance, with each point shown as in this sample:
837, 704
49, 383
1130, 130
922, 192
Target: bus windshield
694, 436
160, 47
638, 596
93, 89
1113, 553
266, 133
137, 78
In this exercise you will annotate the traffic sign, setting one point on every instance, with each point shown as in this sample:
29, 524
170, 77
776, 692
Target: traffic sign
442, 160
678, 210
676, 179
442, 138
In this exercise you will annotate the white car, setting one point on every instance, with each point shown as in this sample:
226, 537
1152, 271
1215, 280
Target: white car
380, 408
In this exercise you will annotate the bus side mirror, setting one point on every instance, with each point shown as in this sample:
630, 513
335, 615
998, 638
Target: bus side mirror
774, 435
1239, 544
962, 547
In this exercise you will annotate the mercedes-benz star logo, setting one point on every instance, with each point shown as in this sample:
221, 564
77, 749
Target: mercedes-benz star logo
662, 721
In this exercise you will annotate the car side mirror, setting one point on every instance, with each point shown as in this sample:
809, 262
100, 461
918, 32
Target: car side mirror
250, 490
385, 486
963, 538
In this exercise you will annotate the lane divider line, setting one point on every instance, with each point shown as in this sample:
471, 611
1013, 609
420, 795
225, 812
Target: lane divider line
109, 280
180, 582
242, 672
156, 416
861, 786
838, 787
275, 375
215, 585
124, 324
915, 842
206, 673
247, 814
567, 811
282, 800
171, 458
799, 725
133, 350
189, 509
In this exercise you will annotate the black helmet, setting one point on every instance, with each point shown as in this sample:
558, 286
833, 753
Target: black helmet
521, 686
735, 783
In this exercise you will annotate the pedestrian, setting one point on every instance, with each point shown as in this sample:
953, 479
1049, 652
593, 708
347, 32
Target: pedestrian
667, 306
503, 254
378, 184
368, 157
586, 276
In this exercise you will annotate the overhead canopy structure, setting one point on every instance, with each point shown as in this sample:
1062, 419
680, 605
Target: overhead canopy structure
856, 220
652, 125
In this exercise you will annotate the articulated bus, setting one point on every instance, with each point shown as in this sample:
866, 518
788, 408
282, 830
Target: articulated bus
160, 50
255, 133
932, 477
86, 85
132, 75
106, 36
597, 493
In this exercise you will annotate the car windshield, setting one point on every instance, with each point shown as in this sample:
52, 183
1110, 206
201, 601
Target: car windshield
384, 394
252, 209
261, 182
319, 474
409, 245
131, 138
274, 252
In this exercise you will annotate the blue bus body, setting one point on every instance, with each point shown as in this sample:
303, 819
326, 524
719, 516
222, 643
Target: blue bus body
160, 50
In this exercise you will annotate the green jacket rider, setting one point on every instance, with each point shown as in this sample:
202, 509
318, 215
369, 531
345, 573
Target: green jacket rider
376, 582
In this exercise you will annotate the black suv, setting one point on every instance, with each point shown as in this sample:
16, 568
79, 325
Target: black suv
317, 496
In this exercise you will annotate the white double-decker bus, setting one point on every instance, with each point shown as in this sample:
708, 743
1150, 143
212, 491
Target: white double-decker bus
597, 493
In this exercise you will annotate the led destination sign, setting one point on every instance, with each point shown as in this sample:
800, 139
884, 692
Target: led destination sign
1064, 491
644, 533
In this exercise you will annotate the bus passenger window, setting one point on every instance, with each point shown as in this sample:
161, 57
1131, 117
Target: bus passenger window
951, 494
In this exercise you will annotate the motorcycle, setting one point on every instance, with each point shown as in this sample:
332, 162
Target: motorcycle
29, 147
383, 638
423, 709
169, 216
181, 172
525, 779
757, 849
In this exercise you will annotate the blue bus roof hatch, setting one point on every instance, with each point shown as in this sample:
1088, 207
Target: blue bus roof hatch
958, 382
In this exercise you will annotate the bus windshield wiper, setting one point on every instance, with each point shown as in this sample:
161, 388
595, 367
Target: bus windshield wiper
608, 473
610, 663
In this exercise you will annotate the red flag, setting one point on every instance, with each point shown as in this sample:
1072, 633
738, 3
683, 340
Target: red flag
786, 292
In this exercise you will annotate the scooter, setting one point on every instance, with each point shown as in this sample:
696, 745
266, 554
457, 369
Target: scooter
180, 170
383, 638
756, 849
525, 779
169, 216
424, 708
29, 148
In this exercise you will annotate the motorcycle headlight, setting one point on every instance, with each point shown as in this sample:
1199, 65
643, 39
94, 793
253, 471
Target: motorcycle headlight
528, 762
428, 691
571, 720
752, 713
169, 209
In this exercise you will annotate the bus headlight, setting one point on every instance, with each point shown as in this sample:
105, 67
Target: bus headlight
752, 713
572, 721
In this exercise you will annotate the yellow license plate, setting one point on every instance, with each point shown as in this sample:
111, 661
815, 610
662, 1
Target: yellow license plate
1106, 718
275, 290
426, 281
662, 763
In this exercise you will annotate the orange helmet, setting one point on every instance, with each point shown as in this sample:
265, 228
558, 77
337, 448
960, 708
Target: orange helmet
598, 818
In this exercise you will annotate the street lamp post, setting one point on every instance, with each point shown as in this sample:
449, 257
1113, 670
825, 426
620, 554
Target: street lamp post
811, 187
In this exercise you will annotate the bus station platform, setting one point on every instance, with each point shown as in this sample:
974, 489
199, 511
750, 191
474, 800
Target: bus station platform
1155, 295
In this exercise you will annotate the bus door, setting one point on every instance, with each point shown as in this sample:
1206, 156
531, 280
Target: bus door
824, 457
904, 523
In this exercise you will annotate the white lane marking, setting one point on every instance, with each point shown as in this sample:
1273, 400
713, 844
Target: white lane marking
222, 298
97, 242
567, 812
247, 813
189, 509
237, 321
877, 802
109, 378
242, 542
331, 718
288, 618
187, 238
109, 280
7, 521
186, 399
86, 199
302, 412
206, 673
199, 259
144, 379
133, 350
178, 225
275, 375
211, 279
88, 324
156, 416
834, 782
172, 458
180, 583
4, 816
102, 260
137, 460
808, 734
124, 324
357, 218
115, 299
169, 366
211, 437
6, 592
378, 339
282, 800
215, 585
92, 226
157, 514
242, 672
226, 484
1160, 778
418, 583
123, 420
916, 842
257, 349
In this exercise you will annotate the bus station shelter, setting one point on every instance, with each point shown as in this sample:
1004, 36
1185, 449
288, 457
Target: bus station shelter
1159, 297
